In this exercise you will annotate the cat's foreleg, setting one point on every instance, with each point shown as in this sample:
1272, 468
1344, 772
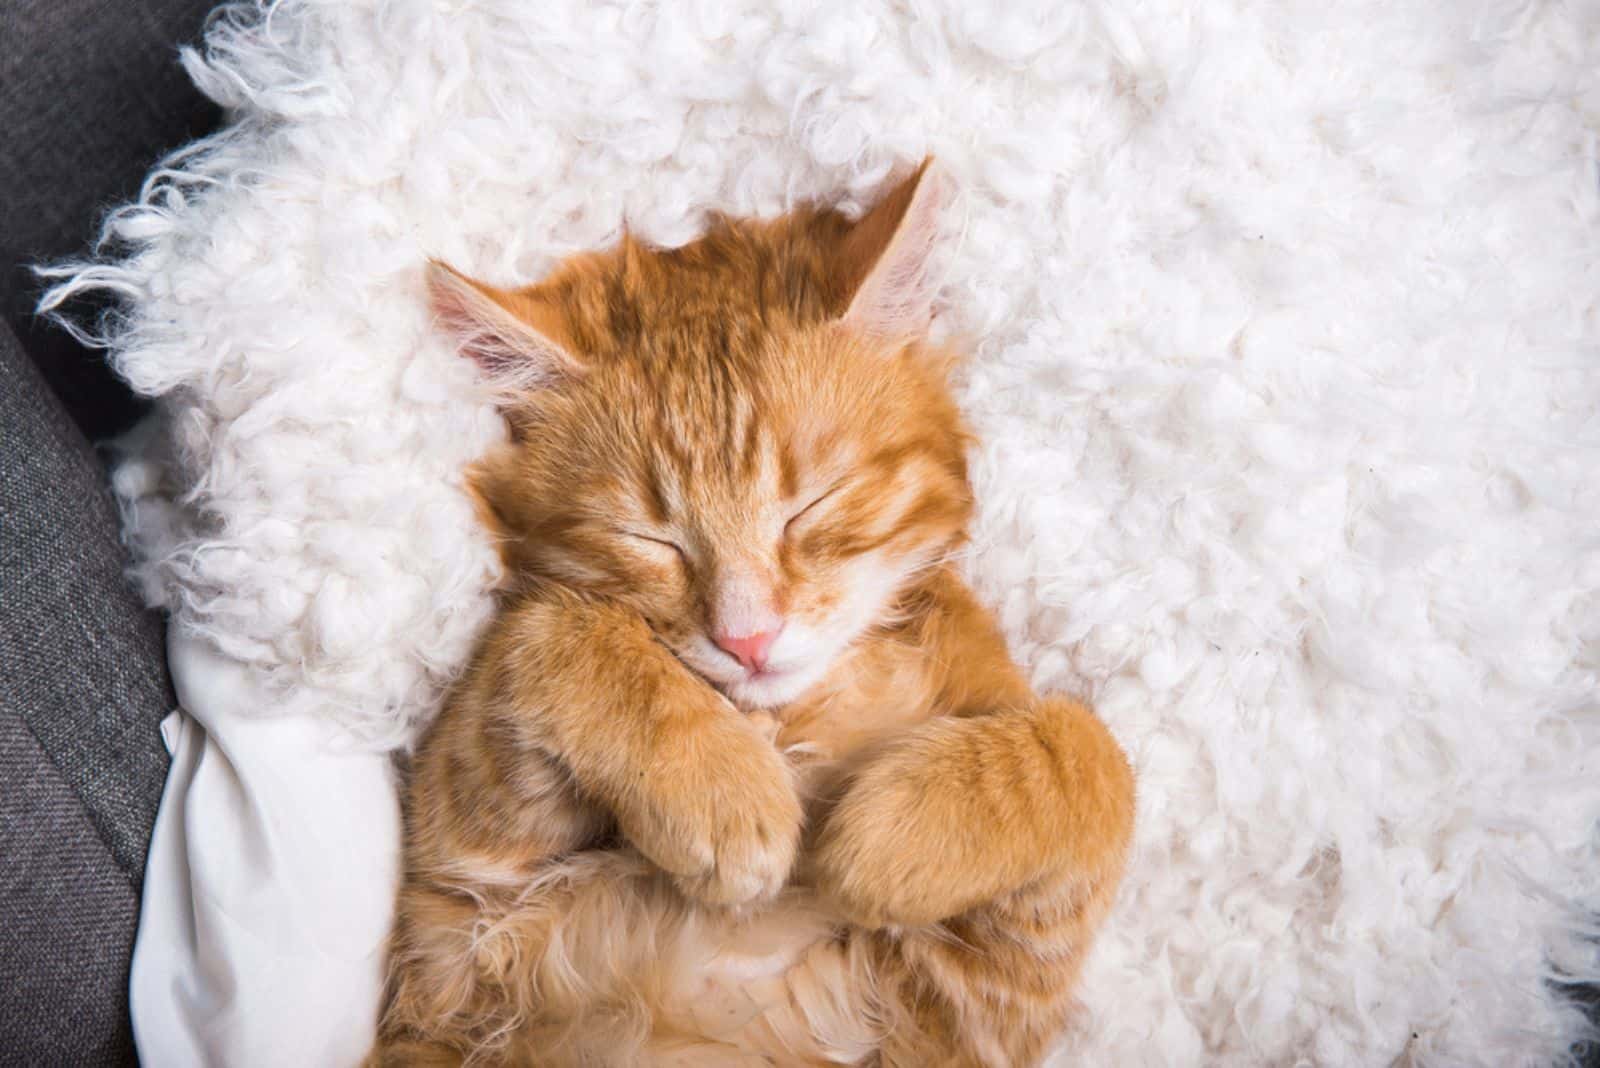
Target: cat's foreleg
979, 856
961, 812
692, 783
999, 793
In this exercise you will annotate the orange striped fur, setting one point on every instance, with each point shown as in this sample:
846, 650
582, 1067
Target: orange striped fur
626, 846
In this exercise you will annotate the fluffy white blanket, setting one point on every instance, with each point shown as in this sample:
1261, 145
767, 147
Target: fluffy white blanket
1288, 365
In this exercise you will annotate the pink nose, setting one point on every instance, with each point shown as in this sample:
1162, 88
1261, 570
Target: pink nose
750, 649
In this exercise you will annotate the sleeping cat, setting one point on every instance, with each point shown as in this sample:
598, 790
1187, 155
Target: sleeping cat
741, 773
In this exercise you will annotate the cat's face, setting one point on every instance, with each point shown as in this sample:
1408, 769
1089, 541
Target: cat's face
761, 519
743, 439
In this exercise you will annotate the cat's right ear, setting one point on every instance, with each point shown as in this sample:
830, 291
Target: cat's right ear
513, 336
884, 260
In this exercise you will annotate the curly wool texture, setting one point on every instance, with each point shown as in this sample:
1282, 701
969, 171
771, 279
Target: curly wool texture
1286, 373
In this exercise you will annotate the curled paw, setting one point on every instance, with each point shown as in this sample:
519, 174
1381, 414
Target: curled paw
721, 817
911, 843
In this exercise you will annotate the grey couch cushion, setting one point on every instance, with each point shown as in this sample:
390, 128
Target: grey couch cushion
70, 915
83, 688
82, 662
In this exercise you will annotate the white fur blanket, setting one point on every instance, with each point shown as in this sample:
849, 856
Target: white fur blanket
1288, 366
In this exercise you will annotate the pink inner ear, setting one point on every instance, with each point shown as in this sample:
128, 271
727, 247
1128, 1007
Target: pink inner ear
896, 299
511, 352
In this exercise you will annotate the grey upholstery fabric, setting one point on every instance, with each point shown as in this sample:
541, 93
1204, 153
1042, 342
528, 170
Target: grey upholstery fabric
69, 919
81, 661
91, 94
83, 688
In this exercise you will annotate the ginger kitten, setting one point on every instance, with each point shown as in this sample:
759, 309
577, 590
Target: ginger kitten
741, 773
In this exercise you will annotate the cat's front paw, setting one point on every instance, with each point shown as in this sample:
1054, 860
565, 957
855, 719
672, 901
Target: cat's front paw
721, 816
868, 869
901, 848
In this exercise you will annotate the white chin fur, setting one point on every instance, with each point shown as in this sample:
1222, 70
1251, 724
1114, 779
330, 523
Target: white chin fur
772, 689
799, 658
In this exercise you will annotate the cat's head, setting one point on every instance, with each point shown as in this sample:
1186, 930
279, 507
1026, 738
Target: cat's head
745, 439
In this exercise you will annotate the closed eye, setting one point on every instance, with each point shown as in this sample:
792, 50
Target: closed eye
653, 540
810, 508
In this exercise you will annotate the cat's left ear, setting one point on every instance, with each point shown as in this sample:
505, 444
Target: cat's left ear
885, 257
514, 336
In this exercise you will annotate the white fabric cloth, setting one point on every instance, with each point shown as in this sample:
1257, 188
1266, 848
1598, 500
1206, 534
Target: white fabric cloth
269, 886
